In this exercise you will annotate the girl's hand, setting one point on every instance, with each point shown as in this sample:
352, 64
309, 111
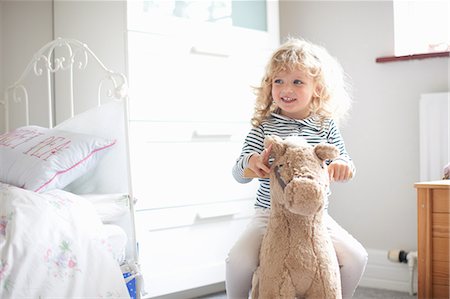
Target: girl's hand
259, 163
339, 171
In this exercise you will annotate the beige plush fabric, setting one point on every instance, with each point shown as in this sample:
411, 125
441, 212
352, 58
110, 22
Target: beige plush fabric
297, 258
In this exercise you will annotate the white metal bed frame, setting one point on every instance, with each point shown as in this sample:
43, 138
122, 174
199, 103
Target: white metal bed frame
47, 62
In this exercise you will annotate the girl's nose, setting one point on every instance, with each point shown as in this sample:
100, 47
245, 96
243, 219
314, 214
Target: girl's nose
287, 90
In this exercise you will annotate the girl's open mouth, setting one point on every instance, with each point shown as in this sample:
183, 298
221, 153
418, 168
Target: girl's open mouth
288, 100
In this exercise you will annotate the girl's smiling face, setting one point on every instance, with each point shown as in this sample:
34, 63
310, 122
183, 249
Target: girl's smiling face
292, 91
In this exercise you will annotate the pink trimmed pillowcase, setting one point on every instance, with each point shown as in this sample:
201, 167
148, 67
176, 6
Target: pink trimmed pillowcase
41, 159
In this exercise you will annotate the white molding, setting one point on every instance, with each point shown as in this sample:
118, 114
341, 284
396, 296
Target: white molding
382, 273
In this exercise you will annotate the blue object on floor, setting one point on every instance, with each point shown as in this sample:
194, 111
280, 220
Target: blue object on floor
131, 284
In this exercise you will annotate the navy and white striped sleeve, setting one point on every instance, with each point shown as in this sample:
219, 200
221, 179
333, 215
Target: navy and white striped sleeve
335, 137
253, 143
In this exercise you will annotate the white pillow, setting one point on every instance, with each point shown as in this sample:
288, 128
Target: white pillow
111, 173
42, 159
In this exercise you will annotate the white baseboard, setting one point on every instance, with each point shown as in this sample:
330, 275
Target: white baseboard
382, 273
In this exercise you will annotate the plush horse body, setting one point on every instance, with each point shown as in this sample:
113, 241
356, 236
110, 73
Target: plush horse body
297, 257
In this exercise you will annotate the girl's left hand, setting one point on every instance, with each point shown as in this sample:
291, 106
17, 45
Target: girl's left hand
339, 171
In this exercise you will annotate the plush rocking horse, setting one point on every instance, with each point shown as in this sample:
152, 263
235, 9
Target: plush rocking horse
297, 258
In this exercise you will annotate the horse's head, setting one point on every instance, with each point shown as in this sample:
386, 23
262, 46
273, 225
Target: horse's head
299, 177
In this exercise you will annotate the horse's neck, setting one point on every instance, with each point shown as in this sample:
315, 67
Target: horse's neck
298, 224
306, 225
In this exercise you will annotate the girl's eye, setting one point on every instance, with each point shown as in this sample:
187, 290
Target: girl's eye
277, 81
297, 82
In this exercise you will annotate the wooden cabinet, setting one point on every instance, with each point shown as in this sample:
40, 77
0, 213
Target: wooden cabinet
433, 209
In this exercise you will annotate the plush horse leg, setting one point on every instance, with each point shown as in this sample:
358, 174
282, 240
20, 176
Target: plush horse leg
279, 287
327, 285
287, 289
317, 291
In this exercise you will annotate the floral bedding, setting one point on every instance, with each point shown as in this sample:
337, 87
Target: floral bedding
52, 246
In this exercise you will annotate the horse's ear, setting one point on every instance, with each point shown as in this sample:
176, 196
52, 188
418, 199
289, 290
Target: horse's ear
278, 147
326, 151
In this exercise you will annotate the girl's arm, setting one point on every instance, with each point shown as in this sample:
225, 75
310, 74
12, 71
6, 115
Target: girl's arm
253, 144
341, 168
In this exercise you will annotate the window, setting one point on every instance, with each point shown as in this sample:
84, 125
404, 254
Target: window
421, 27
247, 14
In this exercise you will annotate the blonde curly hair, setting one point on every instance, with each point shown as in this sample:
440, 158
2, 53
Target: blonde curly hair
331, 98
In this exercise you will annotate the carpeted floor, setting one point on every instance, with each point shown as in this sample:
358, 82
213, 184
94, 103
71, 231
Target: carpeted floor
361, 293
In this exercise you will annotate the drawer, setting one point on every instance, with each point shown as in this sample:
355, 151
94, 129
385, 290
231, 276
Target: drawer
440, 273
184, 164
177, 132
199, 215
184, 256
440, 249
441, 199
207, 84
440, 292
440, 225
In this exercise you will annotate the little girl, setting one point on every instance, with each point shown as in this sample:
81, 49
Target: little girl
303, 93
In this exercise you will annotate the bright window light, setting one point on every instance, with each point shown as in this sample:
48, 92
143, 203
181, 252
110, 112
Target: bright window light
421, 26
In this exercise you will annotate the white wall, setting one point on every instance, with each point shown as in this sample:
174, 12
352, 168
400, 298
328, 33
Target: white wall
102, 26
99, 24
28, 25
379, 206
25, 26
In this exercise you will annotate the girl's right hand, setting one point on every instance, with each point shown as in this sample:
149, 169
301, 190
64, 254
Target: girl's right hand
259, 163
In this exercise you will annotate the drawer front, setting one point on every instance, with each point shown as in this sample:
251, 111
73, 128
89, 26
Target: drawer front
440, 273
207, 84
440, 249
185, 258
440, 225
440, 292
441, 199
185, 164
188, 216
188, 253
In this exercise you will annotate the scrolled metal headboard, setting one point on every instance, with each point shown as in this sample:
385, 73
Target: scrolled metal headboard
48, 61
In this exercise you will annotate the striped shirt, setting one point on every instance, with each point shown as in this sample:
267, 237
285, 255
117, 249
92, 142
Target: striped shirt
310, 128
